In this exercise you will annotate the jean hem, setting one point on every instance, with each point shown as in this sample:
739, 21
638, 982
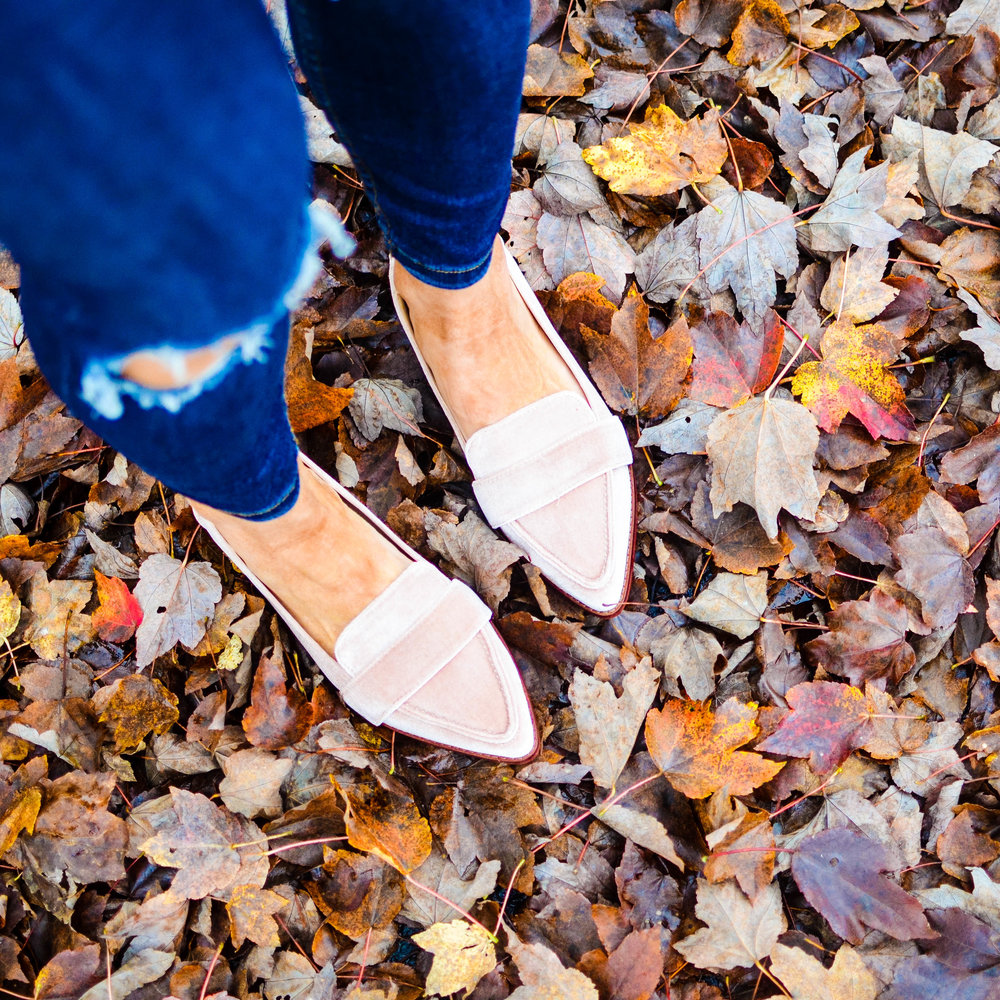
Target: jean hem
282, 506
444, 277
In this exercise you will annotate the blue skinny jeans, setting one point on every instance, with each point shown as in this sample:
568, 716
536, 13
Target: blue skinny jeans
154, 187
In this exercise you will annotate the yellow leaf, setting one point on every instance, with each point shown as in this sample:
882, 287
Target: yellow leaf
760, 34
463, 954
661, 155
10, 610
20, 816
251, 914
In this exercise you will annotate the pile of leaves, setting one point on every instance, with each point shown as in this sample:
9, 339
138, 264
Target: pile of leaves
772, 230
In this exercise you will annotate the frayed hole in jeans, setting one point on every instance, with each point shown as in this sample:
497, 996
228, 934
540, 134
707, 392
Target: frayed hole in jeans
166, 376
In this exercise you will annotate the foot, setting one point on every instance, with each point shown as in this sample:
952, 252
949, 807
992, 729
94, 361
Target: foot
322, 560
488, 355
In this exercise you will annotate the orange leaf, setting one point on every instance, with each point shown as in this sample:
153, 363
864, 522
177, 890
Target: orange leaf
697, 749
119, 614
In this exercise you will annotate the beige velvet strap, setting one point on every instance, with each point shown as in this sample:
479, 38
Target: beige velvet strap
531, 482
431, 620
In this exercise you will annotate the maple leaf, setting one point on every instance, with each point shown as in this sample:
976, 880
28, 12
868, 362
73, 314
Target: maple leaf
866, 641
578, 243
688, 655
609, 725
251, 913
57, 627
549, 73
839, 870
732, 602
177, 600
855, 289
136, 706
379, 404
697, 749
385, 823
310, 402
567, 185
827, 721
635, 373
670, 264
760, 34
357, 892
544, 977
454, 894
119, 613
936, 572
947, 159
662, 154
10, 610
252, 785
277, 717
463, 954
808, 979
853, 378
739, 933
986, 336
750, 839
849, 215
633, 970
744, 238
762, 455
732, 361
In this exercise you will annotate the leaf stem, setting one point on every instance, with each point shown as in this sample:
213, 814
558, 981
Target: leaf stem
468, 916
784, 371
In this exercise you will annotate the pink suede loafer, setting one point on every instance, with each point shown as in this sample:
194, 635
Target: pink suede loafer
554, 477
421, 658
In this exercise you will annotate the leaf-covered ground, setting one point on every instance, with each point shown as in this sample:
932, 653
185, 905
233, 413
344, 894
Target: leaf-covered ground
773, 232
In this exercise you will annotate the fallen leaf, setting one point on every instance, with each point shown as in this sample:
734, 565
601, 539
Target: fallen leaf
10, 610
808, 979
252, 785
827, 721
947, 159
177, 600
732, 361
936, 572
744, 238
578, 243
385, 404
739, 933
57, 628
633, 970
839, 872
731, 601
385, 823
251, 915
855, 290
463, 954
697, 749
670, 264
986, 336
544, 977
549, 73
138, 705
636, 373
762, 455
440, 876
608, 725
866, 641
277, 717
760, 34
357, 892
662, 154
849, 215
853, 377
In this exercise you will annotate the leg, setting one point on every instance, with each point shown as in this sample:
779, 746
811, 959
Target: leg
427, 105
159, 226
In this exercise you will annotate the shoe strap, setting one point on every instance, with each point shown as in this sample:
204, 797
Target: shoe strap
540, 453
404, 638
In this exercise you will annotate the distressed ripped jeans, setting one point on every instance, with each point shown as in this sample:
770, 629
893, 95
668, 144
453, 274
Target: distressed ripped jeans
154, 188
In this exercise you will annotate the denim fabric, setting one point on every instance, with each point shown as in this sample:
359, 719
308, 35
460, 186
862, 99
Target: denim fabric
154, 181
425, 95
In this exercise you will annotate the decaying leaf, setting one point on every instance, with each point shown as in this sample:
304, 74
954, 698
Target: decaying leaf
463, 954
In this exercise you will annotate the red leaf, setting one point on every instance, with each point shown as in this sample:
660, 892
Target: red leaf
119, 614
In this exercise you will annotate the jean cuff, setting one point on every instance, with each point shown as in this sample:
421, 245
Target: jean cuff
444, 277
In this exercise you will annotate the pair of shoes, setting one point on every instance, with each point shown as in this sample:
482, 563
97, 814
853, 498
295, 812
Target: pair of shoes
421, 658
554, 476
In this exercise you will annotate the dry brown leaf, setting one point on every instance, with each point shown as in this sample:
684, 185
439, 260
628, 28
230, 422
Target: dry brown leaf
762, 455
549, 73
808, 979
251, 913
732, 602
463, 954
739, 933
608, 725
